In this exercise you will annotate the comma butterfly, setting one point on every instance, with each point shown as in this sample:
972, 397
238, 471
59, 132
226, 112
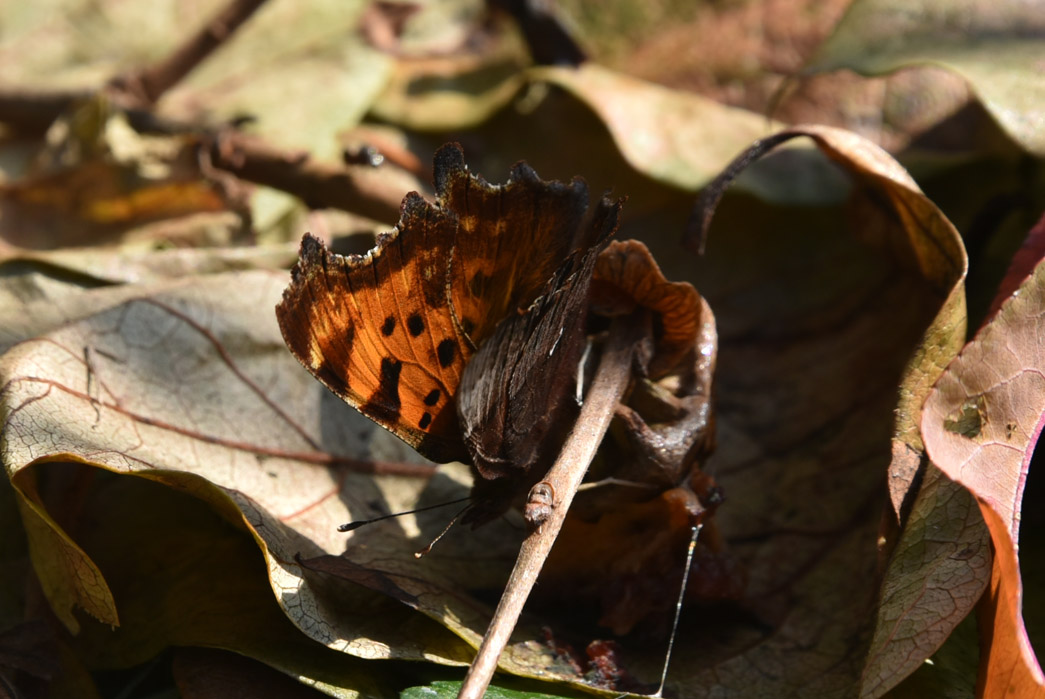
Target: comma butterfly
395, 332
462, 332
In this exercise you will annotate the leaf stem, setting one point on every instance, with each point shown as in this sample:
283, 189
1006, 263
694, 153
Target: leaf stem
564, 477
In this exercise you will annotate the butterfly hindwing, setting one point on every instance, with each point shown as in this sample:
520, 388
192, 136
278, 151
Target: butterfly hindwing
516, 401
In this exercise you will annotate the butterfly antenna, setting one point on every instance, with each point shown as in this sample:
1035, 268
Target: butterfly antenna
678, 607
360, 522
428, 549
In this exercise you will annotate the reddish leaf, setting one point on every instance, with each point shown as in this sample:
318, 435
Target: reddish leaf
980, 424
1022, 266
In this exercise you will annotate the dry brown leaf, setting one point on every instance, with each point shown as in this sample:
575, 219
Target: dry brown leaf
655, 128
895, 220
188, 384
171, 381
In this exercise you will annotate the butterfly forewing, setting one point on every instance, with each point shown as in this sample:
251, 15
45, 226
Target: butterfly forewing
390, 332
377, 329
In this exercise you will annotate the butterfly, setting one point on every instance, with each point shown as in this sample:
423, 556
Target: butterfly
461, 330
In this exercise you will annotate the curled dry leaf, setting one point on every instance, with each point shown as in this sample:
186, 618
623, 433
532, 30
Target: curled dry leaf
188, 384
622, 542
666, 420
816, 336
981, 423
650, 124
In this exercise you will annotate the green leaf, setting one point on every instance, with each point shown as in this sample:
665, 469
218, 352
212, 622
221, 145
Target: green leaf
449, 689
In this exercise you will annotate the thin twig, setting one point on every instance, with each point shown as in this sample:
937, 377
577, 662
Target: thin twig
564, 477
319, 185
146, 86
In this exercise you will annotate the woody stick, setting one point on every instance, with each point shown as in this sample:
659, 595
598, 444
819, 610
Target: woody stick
564, 477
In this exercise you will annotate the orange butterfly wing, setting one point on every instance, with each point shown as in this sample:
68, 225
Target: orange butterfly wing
390, 332
377, 331
512, 238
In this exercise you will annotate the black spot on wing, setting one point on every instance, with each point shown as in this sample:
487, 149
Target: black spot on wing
446, 351
433, 397
384, 404
415, 324
426, 420
389, 326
